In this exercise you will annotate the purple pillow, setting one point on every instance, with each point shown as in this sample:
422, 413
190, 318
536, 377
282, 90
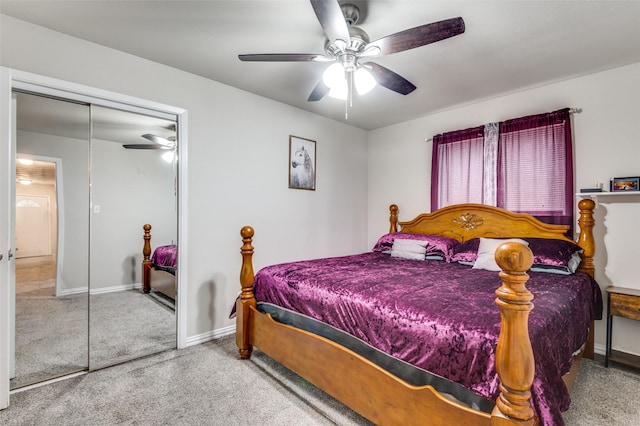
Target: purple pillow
553, 253
438, 245
466, 252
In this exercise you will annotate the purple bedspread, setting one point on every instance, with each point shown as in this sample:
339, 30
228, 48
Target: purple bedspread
441, 316
165, 256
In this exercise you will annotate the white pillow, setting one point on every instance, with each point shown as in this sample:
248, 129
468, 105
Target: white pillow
409, 249
487, 252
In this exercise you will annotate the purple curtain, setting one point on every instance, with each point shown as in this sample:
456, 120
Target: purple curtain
457, 167
535, 167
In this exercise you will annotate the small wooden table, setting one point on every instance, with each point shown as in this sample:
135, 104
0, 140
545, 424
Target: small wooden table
621, 302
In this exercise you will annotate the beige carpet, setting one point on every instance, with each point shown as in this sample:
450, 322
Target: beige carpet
208, 385
62, 335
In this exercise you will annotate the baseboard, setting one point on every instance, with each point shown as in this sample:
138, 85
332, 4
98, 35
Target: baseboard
210, 335
78, 290
122, 287
600, 350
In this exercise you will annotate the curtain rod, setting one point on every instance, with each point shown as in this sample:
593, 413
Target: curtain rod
571, 111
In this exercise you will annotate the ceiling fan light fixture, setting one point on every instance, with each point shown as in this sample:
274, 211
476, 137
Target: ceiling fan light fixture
25, 161
340, 90
168, 156
364, 81
334, 76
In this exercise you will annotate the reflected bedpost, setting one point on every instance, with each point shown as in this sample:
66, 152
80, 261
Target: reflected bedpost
146, 259
247, 298
514, 355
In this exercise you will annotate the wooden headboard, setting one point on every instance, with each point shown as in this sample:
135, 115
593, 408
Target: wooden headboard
467, 221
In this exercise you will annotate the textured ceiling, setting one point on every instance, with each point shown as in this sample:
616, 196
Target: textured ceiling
508, 45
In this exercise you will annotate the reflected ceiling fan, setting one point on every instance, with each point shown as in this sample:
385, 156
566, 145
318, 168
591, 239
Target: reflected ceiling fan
158, 143
349, 47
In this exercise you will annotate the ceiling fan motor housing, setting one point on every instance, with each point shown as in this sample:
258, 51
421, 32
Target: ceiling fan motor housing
351, 13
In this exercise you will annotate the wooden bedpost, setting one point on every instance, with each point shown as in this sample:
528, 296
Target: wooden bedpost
393, 218
146, 259
585, 240
514, 355
588, 245
247, 298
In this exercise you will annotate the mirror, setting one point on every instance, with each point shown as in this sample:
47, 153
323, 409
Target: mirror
79, 297
130, 187
52, 239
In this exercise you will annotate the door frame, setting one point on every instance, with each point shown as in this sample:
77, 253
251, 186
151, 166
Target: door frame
14, 79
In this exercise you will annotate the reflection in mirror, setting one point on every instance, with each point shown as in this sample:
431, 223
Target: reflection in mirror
51, 267
131, 185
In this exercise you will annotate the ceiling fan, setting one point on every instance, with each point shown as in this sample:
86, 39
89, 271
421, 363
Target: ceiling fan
348, 46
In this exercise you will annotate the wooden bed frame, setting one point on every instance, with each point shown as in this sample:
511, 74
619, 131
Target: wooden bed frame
159, 280
385, 399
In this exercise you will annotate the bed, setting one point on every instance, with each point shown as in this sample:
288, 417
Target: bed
370, 366
159, 268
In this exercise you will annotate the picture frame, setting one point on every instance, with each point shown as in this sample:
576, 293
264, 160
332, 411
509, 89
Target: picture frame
625, 184
302, 163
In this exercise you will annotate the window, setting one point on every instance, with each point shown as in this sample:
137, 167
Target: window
523, 165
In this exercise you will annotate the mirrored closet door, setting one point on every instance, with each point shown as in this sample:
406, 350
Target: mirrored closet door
52, 239
132, 184
92, 178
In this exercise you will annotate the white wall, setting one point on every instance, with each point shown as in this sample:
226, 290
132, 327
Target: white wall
606, 145
128, 189
237, 159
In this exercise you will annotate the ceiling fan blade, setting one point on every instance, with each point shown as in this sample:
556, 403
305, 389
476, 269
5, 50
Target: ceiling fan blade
284, 57
419, 36
332, 20
389, 79
318, 92
159, 140
145, 146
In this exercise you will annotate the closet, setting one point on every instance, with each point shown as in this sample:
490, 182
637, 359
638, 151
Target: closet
82, 199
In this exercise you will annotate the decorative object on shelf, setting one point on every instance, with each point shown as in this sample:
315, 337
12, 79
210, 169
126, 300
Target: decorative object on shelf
583, 190
621, 184
302, 160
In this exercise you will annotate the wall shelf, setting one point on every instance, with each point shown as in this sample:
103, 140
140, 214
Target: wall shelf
608, 194
595, 195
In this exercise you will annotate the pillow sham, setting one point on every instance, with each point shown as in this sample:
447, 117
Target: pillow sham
486, 252
552, 252
437, 245
554, 256
409, 249
466, 252
441, 246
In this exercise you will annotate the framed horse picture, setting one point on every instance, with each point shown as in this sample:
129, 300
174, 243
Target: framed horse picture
302, 163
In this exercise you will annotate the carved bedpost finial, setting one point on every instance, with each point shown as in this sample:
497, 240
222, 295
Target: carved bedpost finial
393, 218
585, 240
514, 347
